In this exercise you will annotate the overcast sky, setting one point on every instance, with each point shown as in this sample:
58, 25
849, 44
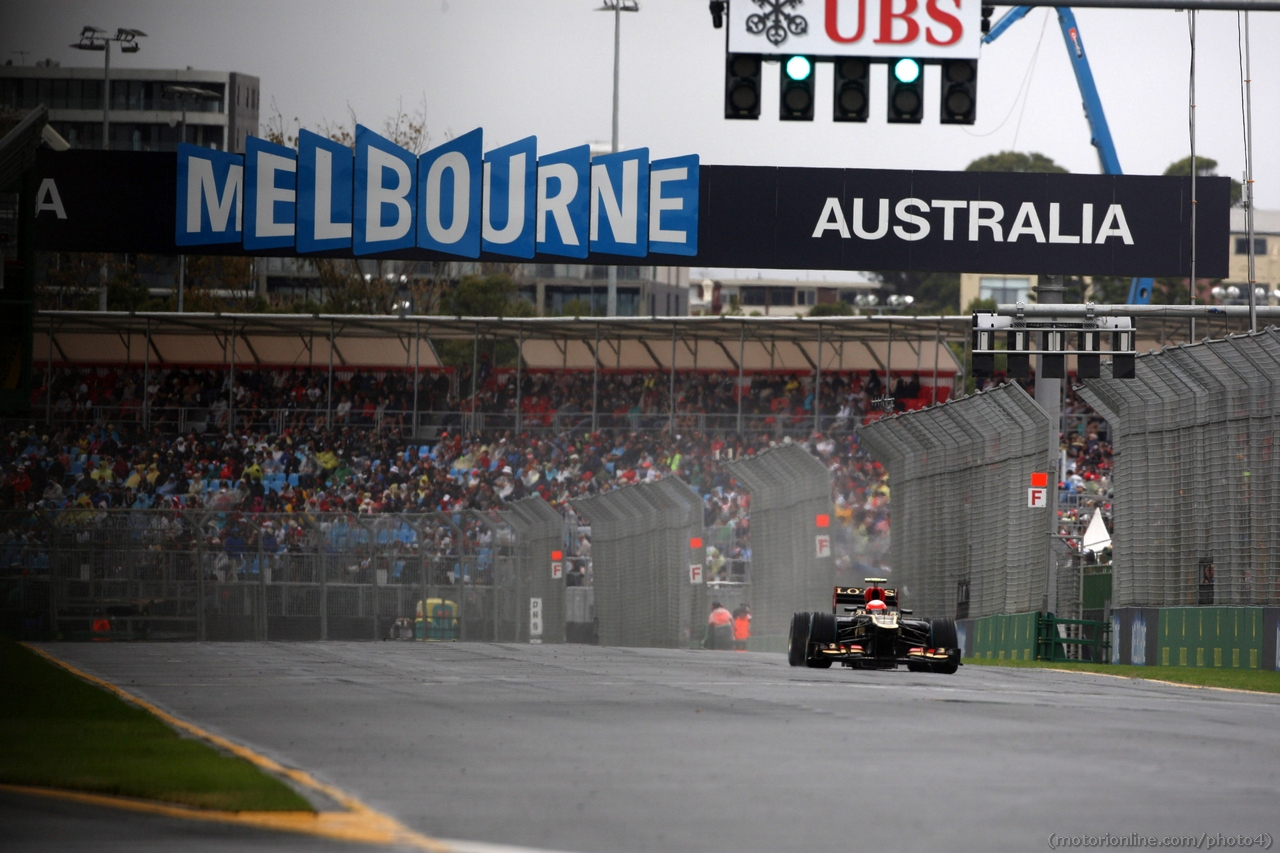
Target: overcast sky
521, 67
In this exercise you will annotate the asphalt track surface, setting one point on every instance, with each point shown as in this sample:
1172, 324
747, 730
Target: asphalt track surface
604, 749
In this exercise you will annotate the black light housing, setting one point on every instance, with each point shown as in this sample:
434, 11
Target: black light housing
959, 91
906, 91
717, 13
852, 78
742, 85
795, 94
1019, 358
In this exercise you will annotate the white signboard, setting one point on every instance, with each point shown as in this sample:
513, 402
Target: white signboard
1037, 497
535, 620
885, 29
695, 573
557, 570
823, 545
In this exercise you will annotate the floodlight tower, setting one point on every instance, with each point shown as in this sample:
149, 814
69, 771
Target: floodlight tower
617, 7
96, 38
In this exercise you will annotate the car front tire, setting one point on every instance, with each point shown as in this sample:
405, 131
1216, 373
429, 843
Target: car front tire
944, 636
822, 630
797, 639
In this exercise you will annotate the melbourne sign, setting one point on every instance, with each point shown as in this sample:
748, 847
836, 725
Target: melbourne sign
455, 199
458, 201
885, 29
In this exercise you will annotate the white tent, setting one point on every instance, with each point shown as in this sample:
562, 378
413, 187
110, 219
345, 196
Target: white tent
1096, 537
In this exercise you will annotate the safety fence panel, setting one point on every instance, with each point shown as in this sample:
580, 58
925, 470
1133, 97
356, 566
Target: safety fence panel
685, 606
641, 553
138, 570
1195, 483
792, 565
1230, 637
964, 542
1003, 637
215, 575
539, 530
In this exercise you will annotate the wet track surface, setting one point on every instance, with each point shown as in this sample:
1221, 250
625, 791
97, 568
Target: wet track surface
601, 749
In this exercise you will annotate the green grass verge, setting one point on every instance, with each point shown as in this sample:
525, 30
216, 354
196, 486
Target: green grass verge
59, 731
1263, 681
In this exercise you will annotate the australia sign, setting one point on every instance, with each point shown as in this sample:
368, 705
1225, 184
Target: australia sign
882, 29
458, 201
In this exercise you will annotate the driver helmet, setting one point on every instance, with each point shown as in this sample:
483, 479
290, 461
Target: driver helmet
875, 606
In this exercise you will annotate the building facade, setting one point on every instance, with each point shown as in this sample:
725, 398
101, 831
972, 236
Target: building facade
773, 297
144, 115
552, 289
1266, 251
1004, 289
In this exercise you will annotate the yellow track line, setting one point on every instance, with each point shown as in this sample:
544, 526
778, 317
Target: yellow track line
358, 823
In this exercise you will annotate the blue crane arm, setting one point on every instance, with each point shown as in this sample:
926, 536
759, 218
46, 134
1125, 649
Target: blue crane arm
1139, 288
1008, 19
1089, 92
1093, 111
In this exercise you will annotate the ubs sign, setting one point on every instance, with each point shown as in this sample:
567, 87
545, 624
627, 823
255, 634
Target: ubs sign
455, 199
886, 29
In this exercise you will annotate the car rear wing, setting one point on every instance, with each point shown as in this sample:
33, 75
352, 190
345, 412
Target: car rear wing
854, 596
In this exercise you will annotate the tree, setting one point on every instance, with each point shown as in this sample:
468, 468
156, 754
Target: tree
493, 295
839, 308
73, 281
1107, 290
489, 296
576, 308
1206, 167
408, 130
1014, 161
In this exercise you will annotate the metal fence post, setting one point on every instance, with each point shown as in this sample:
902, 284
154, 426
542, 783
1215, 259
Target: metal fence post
231, 388
595, 384
672, 393
475, 378
201, 627
742, 350
328, 417
417, 377
262, 588
146, 380
519, 376
817, 386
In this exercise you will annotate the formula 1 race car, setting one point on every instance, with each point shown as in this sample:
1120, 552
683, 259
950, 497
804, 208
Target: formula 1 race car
872, 633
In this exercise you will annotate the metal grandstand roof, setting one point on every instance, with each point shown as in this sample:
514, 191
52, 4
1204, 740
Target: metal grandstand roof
625, 343
634, 343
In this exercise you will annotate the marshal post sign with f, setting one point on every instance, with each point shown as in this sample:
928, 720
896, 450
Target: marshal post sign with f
459, 201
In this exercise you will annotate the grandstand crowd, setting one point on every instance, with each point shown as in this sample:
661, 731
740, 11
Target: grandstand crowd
287, 452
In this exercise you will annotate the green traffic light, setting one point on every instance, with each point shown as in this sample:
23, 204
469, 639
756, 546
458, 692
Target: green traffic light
906, 70
799, 68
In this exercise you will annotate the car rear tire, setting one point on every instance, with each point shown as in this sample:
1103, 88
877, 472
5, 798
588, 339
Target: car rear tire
822, 630
944, 636
797, 639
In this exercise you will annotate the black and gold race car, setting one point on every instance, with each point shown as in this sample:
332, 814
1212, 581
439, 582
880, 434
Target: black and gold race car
872, 632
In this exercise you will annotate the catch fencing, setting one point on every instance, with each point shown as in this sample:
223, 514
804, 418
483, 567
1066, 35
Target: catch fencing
964, 542
642, 548
1197, 474
539, 533
198, 574
792, 567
